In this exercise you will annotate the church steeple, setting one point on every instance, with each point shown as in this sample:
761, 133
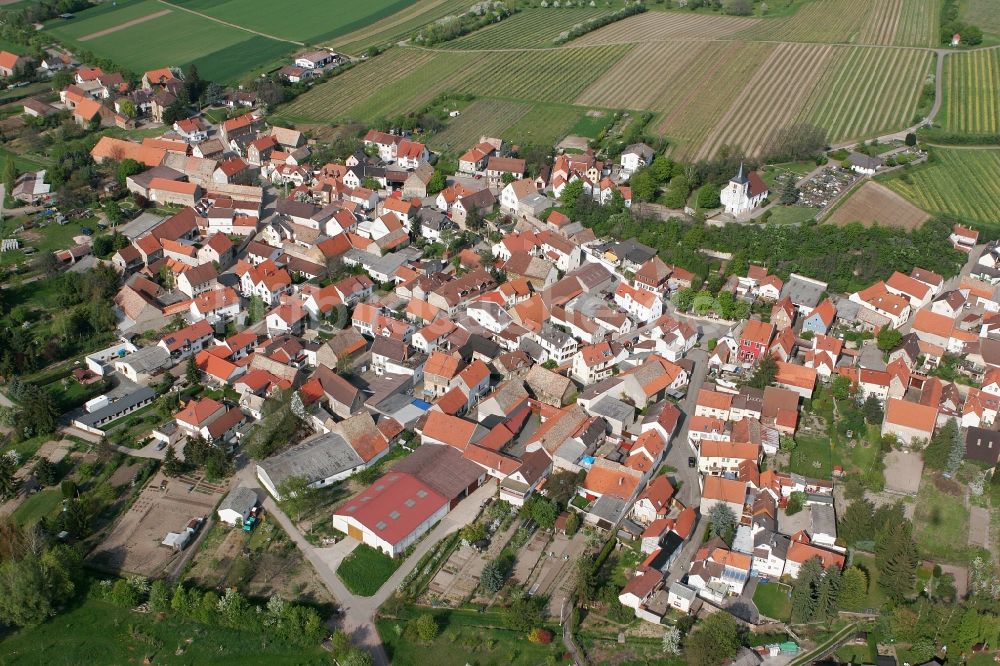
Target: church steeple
740, 177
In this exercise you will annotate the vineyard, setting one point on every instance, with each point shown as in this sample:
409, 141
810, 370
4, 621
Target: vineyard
960, 182
866, 91
489, 117
661, 26
771, 99
400, 25
529, 28
918, 23
882, 23
556, 75
828, 21
971, 92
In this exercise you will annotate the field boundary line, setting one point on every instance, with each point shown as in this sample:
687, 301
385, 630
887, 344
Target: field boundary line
231, 25
122, 26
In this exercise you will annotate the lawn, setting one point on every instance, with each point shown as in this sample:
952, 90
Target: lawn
95, 632
36, 507
592, 123
791, 214
222, 53
812, 457
466, 637
366, 570
867, 562
942, 522
773, 601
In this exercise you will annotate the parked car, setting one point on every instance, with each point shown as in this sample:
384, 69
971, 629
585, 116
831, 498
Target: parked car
87, 231
692, 461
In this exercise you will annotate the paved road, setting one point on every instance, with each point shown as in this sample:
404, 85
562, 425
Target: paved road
359, 612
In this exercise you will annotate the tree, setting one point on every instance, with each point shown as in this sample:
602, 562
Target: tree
193, 84
896, 559
957, 452
713, 642
571, 193
938, 450
684, 299
128, 108
677, 192
357, 657
45, 472
572, 523
723, 521
872, 409
191, 370
544, 512
8, 482
540, 636
643, 185
911, 139
424, 628
827, 594
494, 576
128, 167
35, 585
795, 503
853, 589
888, 338
739, 7
437, 183
297, 496
805, 591
113, 211
9, 176
672, 641
523, 613
172, 465
767, 370
858, 522
841, 387
255, 309
789, 192
708, 197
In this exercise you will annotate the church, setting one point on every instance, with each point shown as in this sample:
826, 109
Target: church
743, 193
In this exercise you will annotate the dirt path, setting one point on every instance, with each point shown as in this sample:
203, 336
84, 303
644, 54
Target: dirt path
231, 25
123, 26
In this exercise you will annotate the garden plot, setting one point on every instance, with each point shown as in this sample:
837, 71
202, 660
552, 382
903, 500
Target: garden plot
165, 505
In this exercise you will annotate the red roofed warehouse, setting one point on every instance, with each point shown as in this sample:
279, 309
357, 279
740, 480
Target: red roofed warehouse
392, 513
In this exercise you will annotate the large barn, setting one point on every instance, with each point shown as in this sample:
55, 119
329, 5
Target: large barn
395, 511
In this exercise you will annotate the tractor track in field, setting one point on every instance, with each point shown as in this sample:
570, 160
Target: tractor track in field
231, 25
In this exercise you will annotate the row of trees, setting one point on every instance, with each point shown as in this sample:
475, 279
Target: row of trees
888, 532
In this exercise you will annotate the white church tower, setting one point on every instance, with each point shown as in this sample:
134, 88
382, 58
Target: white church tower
743, 193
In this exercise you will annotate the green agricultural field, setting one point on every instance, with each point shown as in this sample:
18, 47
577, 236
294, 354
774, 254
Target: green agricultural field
964, 182
546, 124
866, 91
971, 92
827, 21
529, 28
96, 632
143, 36
312, 21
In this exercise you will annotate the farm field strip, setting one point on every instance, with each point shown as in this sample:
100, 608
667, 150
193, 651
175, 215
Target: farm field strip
972, 92
490, 117
639, 79
962, 182
918, 23
398, 26
833, 21
873, 204
102, 17
771, 98
546, 124
416, 89
123, 26
557, 75
529, 28
660, 26
714, 84
313, 20
866, 91
883, 23
329, 101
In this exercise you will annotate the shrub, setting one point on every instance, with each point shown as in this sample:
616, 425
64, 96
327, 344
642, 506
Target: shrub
540, 636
